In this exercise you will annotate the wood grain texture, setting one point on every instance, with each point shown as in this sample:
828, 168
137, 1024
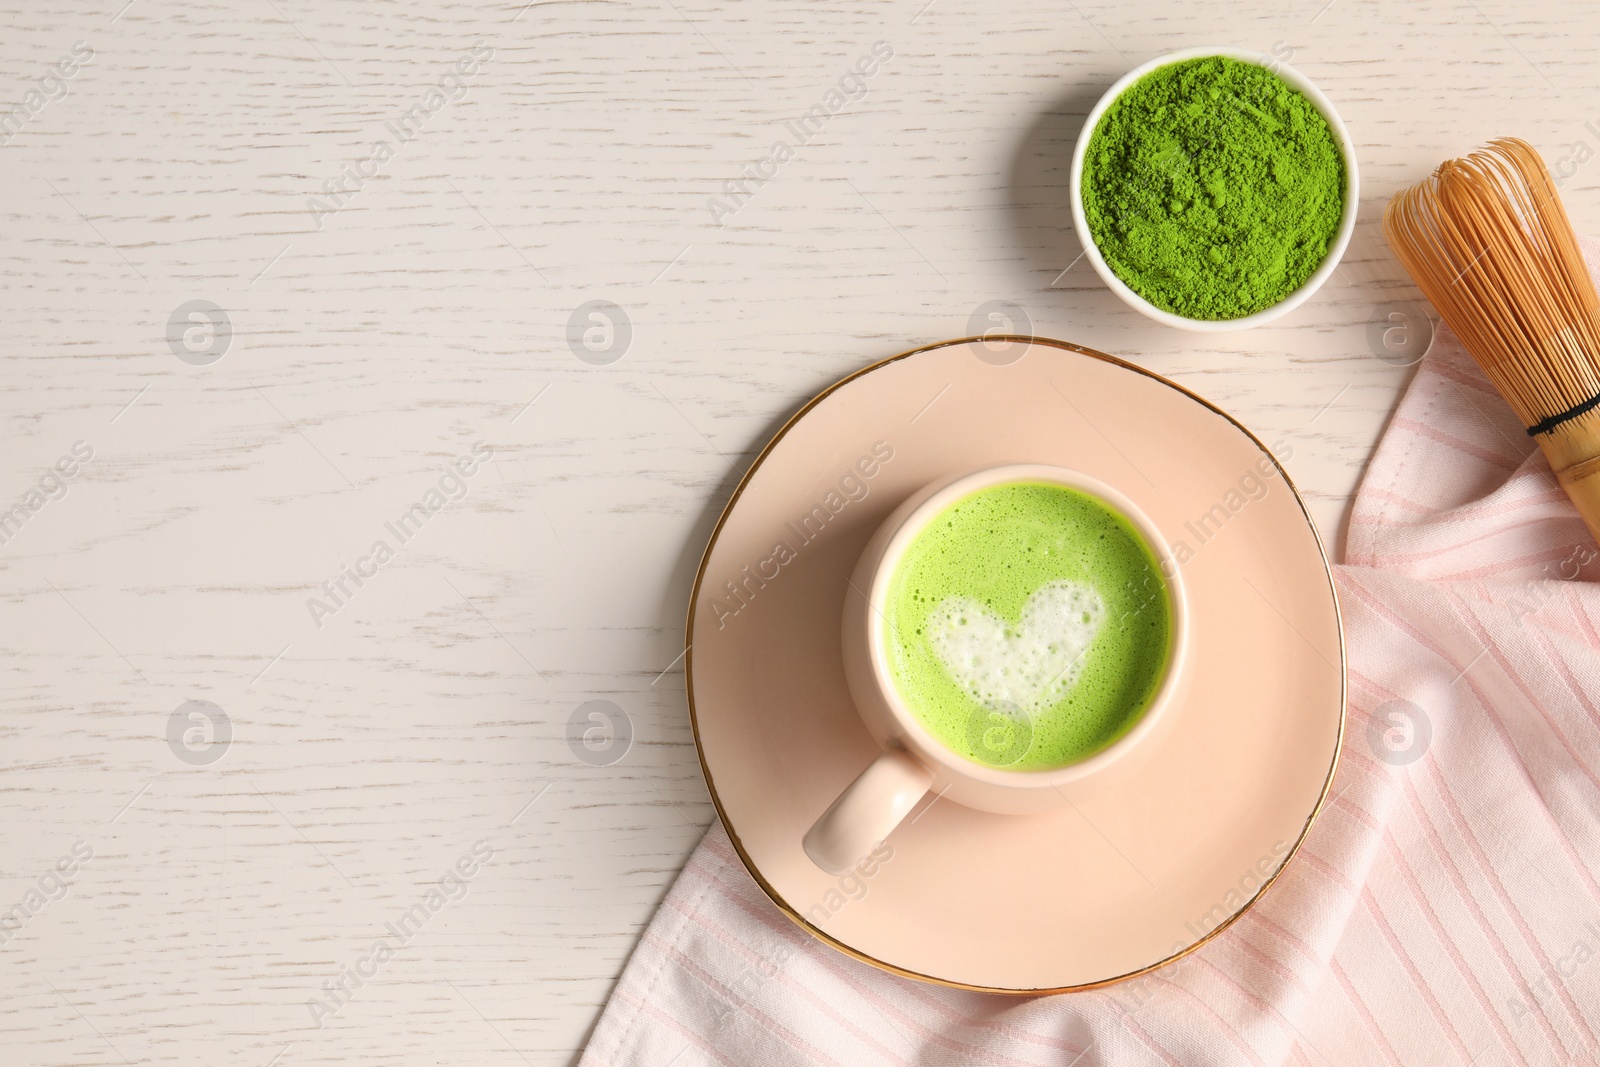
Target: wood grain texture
375, 345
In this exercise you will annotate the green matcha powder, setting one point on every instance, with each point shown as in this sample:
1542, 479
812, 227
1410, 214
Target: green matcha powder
1213, 188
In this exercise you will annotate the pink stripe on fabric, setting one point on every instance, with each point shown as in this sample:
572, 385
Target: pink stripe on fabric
1447, 863
920, 993
1391, 497
1465, 447
1510, 745
1345, 802
786, 980
1149, 1042
1328, 872
1582, 698
1581, 614
927, 1033
1447, 860
721, 846
672, 1024
1422, 986
1290, 1031
832, 962
693, 967
1486, 867
1461, 516
1555, 657
1284, 936
1258, 916
1267, 960
1379, 1038
1511, 672
1382, 559
1223, 1025
1450, 947
1501, 568
1489, 715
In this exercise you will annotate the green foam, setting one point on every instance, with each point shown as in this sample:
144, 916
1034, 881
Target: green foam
996, 548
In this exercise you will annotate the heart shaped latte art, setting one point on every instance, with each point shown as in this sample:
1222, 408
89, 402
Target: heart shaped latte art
1027, 667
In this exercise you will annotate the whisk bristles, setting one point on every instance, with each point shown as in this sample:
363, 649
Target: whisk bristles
1487, 240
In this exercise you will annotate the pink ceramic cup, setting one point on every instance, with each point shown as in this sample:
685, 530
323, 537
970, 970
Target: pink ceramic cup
914, 761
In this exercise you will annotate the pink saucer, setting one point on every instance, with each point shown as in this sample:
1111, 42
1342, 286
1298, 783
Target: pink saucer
1123, 881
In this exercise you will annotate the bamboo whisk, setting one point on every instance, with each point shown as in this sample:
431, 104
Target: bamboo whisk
1487, 241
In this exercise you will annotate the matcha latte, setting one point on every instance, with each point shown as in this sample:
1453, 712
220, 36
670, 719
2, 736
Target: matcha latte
1027, 626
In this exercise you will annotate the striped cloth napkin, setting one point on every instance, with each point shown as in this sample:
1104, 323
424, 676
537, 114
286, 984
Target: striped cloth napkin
1445, 909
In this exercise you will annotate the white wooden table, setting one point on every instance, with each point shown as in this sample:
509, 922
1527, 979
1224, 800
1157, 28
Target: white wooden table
389, 278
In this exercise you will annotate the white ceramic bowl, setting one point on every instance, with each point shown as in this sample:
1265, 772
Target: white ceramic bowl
1347, 222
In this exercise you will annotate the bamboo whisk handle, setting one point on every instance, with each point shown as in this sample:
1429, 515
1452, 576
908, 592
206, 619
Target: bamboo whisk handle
1581, 480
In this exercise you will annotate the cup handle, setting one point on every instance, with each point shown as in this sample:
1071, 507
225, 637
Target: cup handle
867, 811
